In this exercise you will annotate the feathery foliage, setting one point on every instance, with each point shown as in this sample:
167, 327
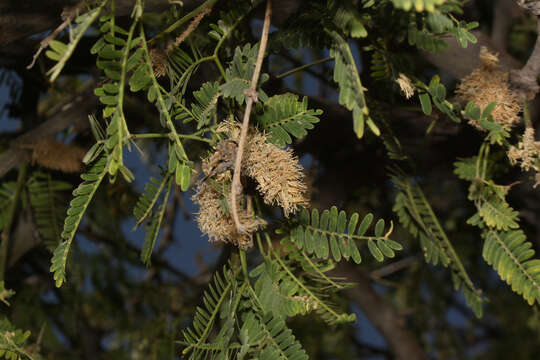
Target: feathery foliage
220, 297
511, 256
505, 246
13, 341
415, 214
292, 285
83, 194
239, 73
181, 80
351, 91
283, 115
149, 198
153, 225
61, 52
144, 78
418, 5
204, 108
275, 339
47, 198
333, 234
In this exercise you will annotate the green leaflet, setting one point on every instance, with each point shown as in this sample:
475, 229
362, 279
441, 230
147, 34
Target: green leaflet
83, 194
285, 293
351, 91
435, 94
283, 116
153, 226
239, 73
117, 55
48, 206
222, 287
496, 213
178, 161
419, 5
206, 99
506, 247
275, 338
61, 52
330, 233
5, 294
13, 342
276, 292
7, 190
381, 66
511, 256
435, 25
416, 215
148, 199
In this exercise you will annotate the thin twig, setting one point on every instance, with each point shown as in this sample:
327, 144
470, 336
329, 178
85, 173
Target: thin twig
303, 67
236, 187
69, 14
393, 267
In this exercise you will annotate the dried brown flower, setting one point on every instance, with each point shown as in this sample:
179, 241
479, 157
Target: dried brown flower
159, 62
57, 156
278, 175
277, 172
489, 84
405, 85
192, 26
527, 153
219, 225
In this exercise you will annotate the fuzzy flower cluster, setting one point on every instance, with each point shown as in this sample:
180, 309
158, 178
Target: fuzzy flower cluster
406, 85
159, 62
277, 173
489, 84
55, 155
216, 222
527, 154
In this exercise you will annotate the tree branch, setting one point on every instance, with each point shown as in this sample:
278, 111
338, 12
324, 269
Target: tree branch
526, 80
74, 111
383, 316
505, 12
236, 187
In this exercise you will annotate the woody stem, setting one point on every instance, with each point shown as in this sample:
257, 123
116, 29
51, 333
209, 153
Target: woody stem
236, 187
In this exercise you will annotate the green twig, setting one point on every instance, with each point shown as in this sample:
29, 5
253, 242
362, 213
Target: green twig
243, 261
158, 136
305, 66
10, 217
